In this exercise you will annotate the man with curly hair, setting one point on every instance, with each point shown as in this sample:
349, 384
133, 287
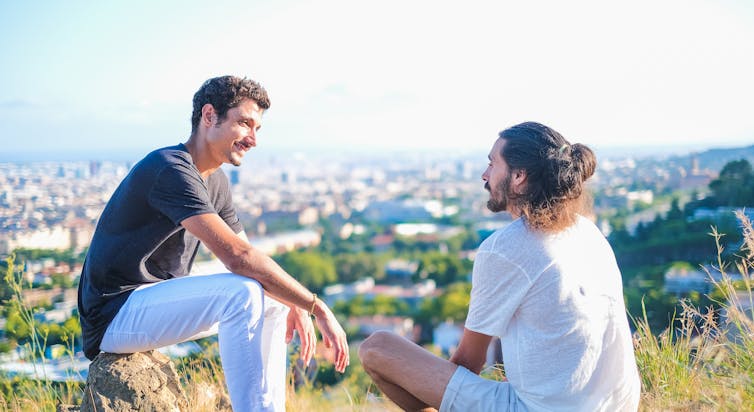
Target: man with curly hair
547, 284
134, 293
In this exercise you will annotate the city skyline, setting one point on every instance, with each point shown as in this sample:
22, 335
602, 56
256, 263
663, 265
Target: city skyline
117, 78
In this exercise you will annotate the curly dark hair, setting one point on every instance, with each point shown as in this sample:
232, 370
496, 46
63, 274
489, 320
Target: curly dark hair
556, 171
225, 93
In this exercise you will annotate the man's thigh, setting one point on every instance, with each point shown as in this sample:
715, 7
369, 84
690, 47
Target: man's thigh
172, 311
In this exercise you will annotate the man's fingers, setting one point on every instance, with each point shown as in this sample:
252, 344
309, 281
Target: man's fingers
306, 355
308, 344
343, 358
289, 335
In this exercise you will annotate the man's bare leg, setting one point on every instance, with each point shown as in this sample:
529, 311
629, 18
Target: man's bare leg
408, 374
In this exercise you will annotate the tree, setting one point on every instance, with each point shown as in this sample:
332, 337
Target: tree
312, 269
354, 266
452, 304
379, 305
443, 268
735, 185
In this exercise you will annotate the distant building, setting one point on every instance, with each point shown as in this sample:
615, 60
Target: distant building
366, 325
400, 270
446, 336
37, 296
682, 281
381, 243
720, 213
393, 211
55, 237
235, 177
286, 242
412, 295
94, 168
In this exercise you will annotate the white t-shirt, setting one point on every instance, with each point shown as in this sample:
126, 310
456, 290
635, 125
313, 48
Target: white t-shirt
556, 302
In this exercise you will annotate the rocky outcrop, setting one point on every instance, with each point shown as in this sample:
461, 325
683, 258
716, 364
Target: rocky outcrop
145, 381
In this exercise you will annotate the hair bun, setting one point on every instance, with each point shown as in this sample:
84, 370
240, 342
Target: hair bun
585, 160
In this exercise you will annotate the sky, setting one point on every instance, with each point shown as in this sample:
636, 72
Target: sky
111, 77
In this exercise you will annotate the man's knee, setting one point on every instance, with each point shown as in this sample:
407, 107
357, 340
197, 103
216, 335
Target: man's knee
373, 347
245, 295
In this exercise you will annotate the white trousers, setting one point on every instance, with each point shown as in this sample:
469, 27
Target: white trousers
250, 329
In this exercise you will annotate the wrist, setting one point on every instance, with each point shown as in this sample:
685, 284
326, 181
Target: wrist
319, 308
313, 304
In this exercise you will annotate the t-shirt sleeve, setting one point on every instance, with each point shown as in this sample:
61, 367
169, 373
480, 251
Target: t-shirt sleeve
498, 286
179, 194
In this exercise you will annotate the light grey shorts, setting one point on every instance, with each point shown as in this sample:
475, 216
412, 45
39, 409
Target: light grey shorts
468, 391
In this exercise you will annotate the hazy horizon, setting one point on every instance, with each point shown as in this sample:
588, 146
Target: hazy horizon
134, 154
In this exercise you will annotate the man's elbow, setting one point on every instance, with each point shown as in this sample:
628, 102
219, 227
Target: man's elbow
474, 364
240, 261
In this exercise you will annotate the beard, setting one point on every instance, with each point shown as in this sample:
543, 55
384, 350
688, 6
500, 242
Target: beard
499, 195
235, 159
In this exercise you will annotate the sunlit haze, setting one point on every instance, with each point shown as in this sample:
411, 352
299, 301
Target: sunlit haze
103, 78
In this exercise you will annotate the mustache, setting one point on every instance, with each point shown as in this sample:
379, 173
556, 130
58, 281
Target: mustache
487, 186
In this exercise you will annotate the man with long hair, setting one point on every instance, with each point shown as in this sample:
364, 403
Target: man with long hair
134, 293
547, 284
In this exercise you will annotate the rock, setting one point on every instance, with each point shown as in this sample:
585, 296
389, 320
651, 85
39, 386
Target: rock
208, 397
145, 381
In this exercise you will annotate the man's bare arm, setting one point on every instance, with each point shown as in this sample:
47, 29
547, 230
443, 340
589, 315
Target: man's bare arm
241, 258
472, 351
243, 236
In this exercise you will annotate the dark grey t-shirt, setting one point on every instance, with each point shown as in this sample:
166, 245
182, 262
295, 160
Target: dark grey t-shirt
139, 238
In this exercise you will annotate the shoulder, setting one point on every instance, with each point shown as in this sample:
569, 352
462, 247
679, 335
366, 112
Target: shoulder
169, 163
586, 232
171, 155
512, 239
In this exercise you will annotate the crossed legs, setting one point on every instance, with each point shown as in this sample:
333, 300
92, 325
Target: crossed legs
409, 375
181, 309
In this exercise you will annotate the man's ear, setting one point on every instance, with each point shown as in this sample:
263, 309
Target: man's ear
518, 180
208, 115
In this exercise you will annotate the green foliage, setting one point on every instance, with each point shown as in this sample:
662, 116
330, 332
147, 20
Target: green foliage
381, 304
734, 186
16, 327
656, 246
20, 393
443, 268
61, 280
704, 361
59, 255
351, 267
312, 269
452, 304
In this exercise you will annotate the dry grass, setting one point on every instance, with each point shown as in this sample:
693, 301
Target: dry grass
707, 362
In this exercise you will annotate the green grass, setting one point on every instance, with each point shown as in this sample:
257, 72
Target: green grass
704, 363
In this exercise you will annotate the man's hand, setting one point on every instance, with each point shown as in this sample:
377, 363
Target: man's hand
332, 335
300, 321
